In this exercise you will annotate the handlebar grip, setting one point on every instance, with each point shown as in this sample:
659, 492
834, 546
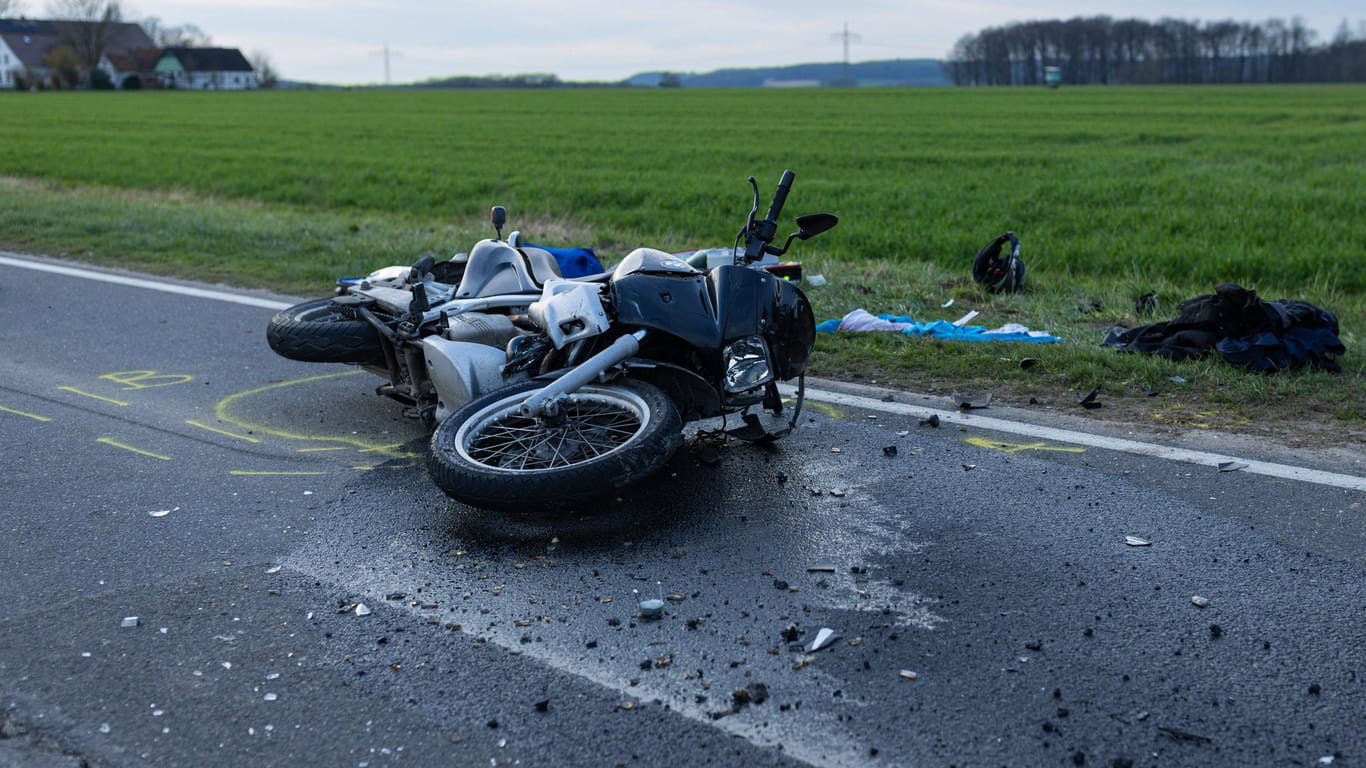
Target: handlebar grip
780, 196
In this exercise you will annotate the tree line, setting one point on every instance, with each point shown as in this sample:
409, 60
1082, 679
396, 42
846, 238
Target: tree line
1100, 50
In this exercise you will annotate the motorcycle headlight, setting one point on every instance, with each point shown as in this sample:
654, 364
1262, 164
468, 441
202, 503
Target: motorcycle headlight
747, 364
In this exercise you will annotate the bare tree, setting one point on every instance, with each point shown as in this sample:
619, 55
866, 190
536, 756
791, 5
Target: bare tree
90, 24
266, 75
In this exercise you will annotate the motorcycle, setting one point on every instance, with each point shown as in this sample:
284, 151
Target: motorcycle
447, 321
597, 398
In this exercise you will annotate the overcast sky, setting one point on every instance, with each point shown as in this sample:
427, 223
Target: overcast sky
343, 41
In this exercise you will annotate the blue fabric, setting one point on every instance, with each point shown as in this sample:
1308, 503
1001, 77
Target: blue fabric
943, 329
574, 262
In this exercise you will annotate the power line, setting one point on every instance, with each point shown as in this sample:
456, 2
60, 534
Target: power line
386, 53
847, 37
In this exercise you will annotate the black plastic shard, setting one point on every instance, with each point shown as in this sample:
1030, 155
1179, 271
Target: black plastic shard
1089, 400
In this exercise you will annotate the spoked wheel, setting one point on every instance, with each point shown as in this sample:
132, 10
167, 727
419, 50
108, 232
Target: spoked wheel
319, 331
489, 455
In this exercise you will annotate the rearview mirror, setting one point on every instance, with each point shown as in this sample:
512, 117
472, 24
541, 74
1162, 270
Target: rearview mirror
813, 224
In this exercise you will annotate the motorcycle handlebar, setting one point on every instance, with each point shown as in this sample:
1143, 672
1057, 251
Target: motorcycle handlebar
780, 196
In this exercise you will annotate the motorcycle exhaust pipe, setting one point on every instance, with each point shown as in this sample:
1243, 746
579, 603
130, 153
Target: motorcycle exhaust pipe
545, 402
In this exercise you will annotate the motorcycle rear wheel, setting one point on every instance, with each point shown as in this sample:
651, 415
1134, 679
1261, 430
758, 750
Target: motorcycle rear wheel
318, 332
488, 455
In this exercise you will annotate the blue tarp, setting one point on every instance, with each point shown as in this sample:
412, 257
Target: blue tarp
860, 320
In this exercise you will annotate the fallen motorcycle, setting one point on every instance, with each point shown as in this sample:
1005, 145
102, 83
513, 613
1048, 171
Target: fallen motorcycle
597, 397
448, 320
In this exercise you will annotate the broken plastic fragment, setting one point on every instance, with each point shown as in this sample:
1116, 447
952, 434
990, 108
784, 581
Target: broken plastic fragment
1231, 466
1134, 541
162, 512
931, 421
130, 621
362, 609
269, 697
908, 674
969, 402
1089, 401
824, 637
948, 303
820, 568
274, 569
652, 608
1199, 602
815, 281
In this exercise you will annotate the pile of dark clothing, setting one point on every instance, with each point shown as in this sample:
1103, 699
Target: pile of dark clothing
1248, 332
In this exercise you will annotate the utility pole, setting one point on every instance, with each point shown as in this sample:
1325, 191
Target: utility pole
386, 53
846, 36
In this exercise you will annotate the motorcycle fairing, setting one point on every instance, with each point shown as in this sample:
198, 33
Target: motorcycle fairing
494, 268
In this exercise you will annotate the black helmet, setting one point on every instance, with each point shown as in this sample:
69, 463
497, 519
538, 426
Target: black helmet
997, 274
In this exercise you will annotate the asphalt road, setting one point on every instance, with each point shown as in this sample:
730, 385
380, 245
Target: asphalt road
159, 462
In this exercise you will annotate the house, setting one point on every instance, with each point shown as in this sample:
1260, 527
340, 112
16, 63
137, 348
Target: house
55, 53
133, 71
206, 69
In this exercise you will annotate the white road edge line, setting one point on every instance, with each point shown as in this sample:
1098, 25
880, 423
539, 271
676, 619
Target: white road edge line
1284, 471
139, 282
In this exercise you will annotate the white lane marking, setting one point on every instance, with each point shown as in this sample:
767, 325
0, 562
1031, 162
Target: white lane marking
151, 285
1284, 471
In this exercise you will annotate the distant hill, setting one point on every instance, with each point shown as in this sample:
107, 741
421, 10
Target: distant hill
917, 72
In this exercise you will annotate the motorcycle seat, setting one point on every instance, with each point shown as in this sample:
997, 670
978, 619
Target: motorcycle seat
495, 268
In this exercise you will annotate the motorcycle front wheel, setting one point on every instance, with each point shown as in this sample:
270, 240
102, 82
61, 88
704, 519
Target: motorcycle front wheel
318, 331
608, 436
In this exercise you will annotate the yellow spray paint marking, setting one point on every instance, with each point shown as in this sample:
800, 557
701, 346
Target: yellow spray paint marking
825, 408
126, 447
17, 412
324, 449
999, 445
132, 380
225, 407
75, 391
223, 432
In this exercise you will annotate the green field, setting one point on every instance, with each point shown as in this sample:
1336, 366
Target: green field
1114, 192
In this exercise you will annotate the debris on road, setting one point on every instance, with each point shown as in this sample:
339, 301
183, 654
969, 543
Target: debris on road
1134, 541
931, 421
970, 402
1231, 466
907, 674
824, 638
1199, 602
130, 621
362, 609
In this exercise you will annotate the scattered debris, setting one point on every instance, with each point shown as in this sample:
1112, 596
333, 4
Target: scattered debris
889, 450
946, 304
837, 492
1176, 734
652, 608
1147, 304
1090, 307
997, 273
1177, 379
130, 621
269, 697
790, 633
1231, 466
815, 281
754, 693
968, 402
542, 706
969, 467
824, 638
820, 568
274, 569
1134, 541
362, 609
163, 512
1028, 362
907, 674
931, 421
1089, 401
1199, 602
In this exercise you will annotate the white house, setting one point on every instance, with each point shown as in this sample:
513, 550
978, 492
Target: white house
206, 69
25, 46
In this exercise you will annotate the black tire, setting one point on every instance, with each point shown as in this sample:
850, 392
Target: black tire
635, 426
319, 332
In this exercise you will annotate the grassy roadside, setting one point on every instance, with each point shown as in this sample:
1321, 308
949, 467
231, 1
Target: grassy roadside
300, 251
